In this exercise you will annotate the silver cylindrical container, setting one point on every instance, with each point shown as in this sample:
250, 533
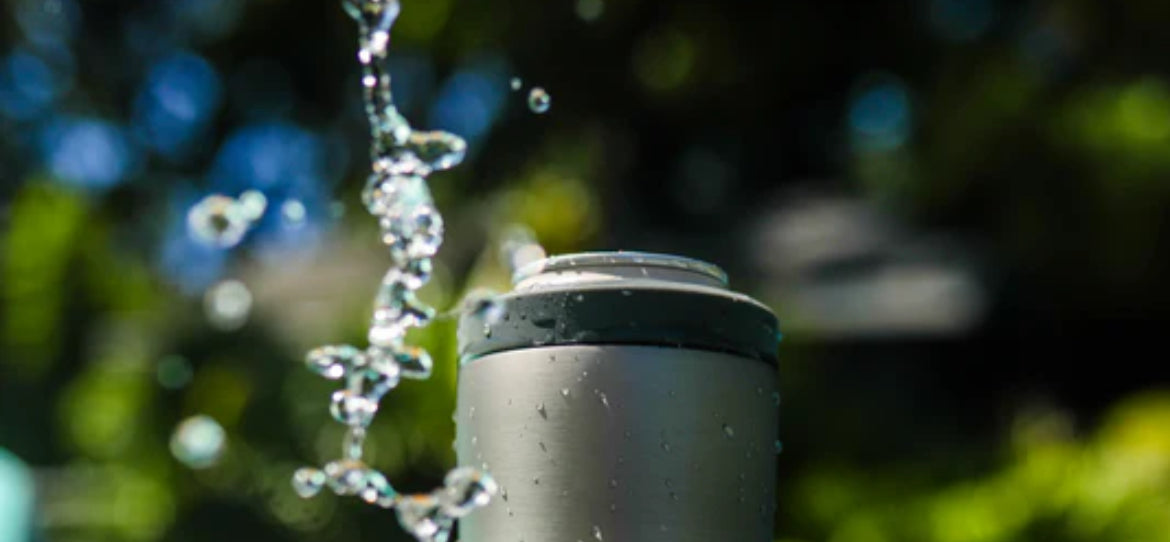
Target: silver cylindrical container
621, 397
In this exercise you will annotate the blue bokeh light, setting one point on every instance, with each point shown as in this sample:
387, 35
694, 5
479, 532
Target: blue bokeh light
178, 99
284, 162
87, 152
471, 100
191, 265
960, 20
413, 79
29, 85
47, 23
270, 157
880, 116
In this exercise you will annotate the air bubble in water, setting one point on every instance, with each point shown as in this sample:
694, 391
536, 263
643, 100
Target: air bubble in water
218, 221
308, 481
516, 83
779, 447
597, 533
466, 489
227, 305
539, 101
728, 431
198, 442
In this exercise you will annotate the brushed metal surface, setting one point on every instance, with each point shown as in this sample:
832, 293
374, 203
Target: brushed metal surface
649, 444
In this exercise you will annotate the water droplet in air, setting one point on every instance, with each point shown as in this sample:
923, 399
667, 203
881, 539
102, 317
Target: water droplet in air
516, 83
227, 305
308, 481
332, 362
437, 150
351, 447
465, 490
539, 101
412, 361
352, 409
412, 232
386, 192
198, 442
218, 221
422, 516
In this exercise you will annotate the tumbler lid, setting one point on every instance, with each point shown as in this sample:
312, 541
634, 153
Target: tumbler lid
622, 298
587, 266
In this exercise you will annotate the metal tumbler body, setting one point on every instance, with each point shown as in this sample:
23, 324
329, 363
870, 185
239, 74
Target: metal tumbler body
621, 397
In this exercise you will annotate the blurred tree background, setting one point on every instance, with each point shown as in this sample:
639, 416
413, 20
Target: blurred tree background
958, 207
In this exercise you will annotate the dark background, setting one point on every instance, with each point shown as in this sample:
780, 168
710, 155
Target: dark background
958, 208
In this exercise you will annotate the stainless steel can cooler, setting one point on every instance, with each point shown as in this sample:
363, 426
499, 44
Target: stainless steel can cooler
621, 397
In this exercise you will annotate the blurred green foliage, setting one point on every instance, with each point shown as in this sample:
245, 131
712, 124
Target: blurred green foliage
1112, 484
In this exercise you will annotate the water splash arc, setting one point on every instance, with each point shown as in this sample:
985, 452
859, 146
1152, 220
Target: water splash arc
397, 195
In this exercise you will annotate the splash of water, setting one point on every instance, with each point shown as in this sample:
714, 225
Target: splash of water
396, 194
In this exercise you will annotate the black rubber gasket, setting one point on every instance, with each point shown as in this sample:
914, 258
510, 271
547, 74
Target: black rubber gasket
643, 312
